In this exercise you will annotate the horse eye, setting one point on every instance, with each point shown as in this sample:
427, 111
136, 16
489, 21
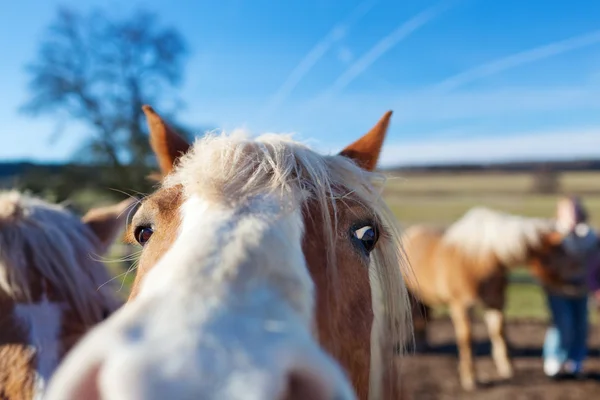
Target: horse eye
143, 234
367, 236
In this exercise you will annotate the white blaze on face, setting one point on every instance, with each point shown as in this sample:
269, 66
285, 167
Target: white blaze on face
224, 314
219, 247
43, 321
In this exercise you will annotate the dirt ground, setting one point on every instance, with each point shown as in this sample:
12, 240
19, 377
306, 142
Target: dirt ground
433, 374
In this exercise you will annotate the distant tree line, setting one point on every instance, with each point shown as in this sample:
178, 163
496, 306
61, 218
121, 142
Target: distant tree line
517, 166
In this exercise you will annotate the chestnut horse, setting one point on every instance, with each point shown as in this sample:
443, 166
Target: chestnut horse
468, 263
49, 286
268, 271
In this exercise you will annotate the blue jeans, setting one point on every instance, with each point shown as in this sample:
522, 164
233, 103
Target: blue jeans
566, 339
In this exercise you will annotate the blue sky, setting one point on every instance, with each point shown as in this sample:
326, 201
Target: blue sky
468, 80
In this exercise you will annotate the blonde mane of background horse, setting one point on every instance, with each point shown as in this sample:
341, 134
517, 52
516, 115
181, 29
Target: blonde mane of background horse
482, 233
232, 168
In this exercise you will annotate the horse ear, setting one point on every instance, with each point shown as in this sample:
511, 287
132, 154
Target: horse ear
365, 151
107, 222
166, 143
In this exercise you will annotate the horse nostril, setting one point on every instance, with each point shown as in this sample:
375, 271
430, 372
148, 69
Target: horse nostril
305, 385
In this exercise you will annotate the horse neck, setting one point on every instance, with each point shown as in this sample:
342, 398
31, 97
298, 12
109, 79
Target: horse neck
536, 266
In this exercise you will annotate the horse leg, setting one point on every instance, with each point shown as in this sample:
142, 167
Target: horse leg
462, 326
493, 294
494, 319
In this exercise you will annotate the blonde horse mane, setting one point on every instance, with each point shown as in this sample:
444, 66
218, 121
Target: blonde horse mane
482, 232
36, 235
233, 168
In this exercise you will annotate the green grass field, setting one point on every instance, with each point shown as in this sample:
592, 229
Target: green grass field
441, 198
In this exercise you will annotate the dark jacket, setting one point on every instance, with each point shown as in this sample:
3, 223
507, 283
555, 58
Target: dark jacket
593, 275
583, 275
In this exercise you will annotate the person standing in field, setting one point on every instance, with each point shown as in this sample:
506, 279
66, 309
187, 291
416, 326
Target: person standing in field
565, 345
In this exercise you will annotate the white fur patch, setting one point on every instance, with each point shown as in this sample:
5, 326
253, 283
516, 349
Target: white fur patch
44, 321
233, 244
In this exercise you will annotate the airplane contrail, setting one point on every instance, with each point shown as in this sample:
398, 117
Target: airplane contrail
387, 43
337, 33
518, 59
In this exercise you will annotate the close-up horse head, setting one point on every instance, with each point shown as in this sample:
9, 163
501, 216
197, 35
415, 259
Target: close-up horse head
268, 271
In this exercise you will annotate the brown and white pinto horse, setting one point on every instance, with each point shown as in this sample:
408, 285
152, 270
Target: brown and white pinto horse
468, 263
49, 286
268, 272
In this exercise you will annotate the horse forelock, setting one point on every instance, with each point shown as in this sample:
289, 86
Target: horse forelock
234, 168
483, 233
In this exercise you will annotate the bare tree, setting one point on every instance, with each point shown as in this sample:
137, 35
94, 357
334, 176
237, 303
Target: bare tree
100, 71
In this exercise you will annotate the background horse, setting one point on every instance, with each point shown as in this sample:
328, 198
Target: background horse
49, 286
266, 267
468, 262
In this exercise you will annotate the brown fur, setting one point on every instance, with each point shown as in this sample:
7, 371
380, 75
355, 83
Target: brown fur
16, 359
343, 326
164, 205
348, 322
17, 375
